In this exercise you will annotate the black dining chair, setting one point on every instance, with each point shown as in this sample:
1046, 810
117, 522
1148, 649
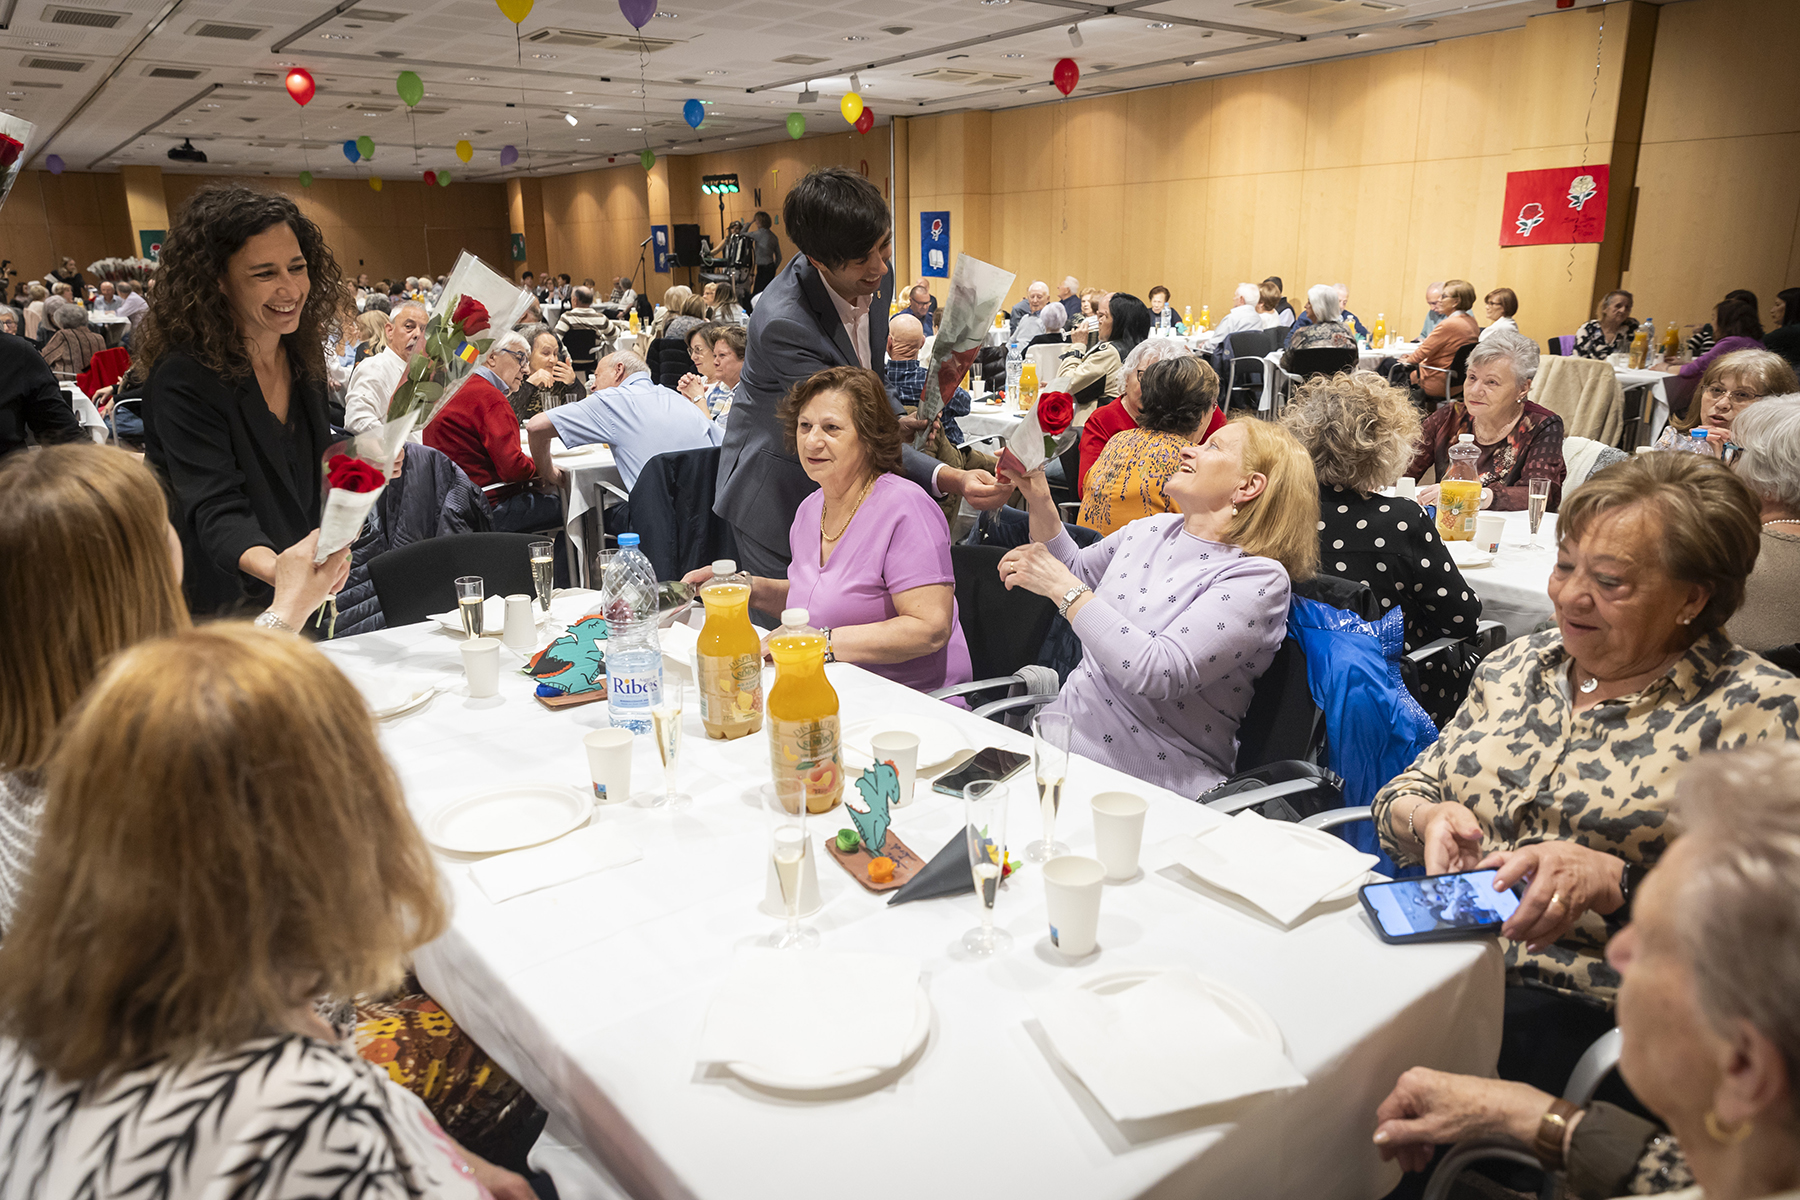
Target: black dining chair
417, 580
1319, 360
1247, 351
579, 343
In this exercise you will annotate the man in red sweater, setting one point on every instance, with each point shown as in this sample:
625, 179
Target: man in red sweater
1122, 414
480, 432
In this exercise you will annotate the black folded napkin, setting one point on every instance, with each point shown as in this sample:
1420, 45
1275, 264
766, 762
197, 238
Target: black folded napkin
947, 874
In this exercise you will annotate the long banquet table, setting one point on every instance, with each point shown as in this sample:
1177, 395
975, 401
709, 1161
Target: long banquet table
1514, 588
593, 993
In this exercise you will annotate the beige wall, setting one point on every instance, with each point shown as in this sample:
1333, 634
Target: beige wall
1385, 172
1719, 180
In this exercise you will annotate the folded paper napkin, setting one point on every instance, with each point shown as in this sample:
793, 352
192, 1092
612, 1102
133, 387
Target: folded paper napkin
1268, 865
390, 690
812, 1016
1160, 1047
580, 853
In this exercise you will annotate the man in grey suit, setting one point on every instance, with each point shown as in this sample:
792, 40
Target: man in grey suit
827, 308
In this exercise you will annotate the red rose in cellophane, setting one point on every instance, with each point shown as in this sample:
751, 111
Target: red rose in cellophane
471, 314
353, 474
1054, 412
10, 149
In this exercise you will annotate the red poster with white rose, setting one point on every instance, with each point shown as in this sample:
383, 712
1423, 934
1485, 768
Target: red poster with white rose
1567, 204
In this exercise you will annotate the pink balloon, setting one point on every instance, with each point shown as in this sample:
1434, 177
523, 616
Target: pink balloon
638, 12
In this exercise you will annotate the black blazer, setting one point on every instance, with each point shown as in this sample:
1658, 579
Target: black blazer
30, 398
234, 479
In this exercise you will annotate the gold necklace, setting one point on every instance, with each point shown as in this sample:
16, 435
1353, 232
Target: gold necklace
832, 537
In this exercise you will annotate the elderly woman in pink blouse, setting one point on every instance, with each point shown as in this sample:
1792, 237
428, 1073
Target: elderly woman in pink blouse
1179, 613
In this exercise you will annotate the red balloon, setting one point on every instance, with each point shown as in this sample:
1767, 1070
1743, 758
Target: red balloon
1066, 75
431, 179
300, 85
865, 121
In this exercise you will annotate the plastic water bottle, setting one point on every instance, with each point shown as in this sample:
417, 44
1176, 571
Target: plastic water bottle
1015, 359
1696, 441
633, 654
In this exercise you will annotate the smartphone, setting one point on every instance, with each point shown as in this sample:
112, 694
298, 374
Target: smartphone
992, 763
1438, 908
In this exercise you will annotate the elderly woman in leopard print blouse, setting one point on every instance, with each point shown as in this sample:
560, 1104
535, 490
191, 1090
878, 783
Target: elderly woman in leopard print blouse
1555, 769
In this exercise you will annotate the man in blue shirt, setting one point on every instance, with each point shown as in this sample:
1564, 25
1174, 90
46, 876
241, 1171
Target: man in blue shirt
906, 374
635, 416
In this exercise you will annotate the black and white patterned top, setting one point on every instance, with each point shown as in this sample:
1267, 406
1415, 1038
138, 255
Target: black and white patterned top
21, 808
277, 1118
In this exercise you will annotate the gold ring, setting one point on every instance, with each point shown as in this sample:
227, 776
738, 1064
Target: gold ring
1556, 898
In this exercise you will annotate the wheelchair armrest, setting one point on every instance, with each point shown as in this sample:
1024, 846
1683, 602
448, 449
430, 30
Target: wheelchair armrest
1596, 1063
1339, 816
1238, 801
978, 685
1464, 1154
1430, 648
1013, 702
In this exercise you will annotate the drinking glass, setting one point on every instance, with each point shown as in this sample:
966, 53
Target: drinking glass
543, 571
1050, 758
1537, 498
665, 722
471, 593
785, 807
984, 813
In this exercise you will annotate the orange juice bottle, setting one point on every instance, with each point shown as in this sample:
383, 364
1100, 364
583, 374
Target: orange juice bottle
1640, 349
803, 714
729, 657
1378, 333
1671, 346
1206, 316
632, 321
1459, 492
1028, 386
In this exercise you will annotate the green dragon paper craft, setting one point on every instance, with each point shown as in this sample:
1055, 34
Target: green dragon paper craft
880, 788
575, 662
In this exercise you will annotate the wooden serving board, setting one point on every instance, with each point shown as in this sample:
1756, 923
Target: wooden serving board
856, 863
572, 701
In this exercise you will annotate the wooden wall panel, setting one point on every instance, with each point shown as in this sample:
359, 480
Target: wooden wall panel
77, 214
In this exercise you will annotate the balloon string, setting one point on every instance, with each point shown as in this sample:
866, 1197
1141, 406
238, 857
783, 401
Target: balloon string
519, 52
1599, 44
643, 91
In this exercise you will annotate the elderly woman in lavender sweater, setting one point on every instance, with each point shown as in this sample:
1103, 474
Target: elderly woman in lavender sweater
1179, 613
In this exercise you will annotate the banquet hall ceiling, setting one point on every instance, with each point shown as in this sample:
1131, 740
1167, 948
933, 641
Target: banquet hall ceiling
113, 82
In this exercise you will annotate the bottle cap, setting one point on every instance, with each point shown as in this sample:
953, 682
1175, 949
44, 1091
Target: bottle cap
794, 616
1698, 433
1464, 438
627, 540
724, 566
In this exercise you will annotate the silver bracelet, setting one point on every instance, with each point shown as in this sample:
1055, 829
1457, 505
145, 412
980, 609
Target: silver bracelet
268, 620
1410, 814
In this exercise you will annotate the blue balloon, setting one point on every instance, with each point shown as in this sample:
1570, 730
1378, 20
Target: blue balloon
350, 150
694, 112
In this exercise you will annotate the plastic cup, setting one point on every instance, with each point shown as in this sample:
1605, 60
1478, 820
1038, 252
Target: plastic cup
902, 749
1489, 529
1072, 894
609, 764
481, 663
1407, 488
520, 630
1119, 832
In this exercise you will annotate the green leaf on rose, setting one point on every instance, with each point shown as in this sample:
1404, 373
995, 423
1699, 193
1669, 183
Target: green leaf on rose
1049, 446
482, 344
418, 368
429, 393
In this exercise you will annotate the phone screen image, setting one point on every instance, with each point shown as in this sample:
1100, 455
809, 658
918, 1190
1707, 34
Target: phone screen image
1463, 901
992, 763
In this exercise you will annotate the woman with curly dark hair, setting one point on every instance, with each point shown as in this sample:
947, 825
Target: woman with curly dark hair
234, 412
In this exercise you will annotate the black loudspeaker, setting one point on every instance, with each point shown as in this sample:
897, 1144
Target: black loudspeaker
687, 246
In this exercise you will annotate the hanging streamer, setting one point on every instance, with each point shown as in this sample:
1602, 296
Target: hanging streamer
1586, 138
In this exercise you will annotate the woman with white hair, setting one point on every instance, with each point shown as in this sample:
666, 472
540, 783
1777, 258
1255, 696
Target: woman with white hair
1519, 441
1050, 321
73, 346
480, 432
35, 294
1769, 434
1323, 325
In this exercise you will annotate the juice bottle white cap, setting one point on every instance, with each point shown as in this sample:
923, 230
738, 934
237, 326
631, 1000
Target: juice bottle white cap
724, 566
794, 616
1465, 438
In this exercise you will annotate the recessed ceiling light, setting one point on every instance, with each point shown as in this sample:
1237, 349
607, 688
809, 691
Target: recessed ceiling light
370, 114
476, 78
994, 3
335, 37
667, 16
718, 72
1160, 25
1012, 56
571, 118
855, 37
543, 56
16, 95
45, 45
731, 139
635, 129
584, 139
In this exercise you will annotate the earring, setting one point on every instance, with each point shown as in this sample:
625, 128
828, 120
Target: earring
1234, 510
1687, 621
1726, 1137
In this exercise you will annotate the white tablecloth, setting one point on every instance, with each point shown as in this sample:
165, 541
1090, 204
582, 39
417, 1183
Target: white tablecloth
588, 467
989, 420
593, 993
1367, 358
1657, 414
1514, 588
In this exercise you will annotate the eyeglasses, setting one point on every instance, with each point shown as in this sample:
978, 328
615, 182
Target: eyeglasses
1718, 391
518, 356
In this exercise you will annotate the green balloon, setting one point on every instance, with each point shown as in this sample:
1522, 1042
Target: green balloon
306, 179
410, 87
796, 123
365, 146
443, 179
648, 158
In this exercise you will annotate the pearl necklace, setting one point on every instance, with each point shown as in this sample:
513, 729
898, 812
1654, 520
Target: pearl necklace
1781, 521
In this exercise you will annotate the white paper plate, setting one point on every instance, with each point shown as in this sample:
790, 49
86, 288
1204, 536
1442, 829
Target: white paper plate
1466, 555
939, 741
407, 706
1244, 1012
493, 616
1322, 837
508, 818
769, 1078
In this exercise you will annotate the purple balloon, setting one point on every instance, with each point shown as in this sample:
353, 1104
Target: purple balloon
509, 155
55, 163
638, 12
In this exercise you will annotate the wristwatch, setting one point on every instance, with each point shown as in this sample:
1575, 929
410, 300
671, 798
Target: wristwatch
1551, 1128
268, 620
1070, 597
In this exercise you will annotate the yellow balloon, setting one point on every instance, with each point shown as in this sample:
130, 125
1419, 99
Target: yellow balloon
375, 182
851, 106
514, 10
465, 151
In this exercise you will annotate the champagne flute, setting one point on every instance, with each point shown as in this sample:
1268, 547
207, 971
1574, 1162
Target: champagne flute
543, 571
1537, 498
471, 594
665, 722
1050, 758
785, 807
984, 809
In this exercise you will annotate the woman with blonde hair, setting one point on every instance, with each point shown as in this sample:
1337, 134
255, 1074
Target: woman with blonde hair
1731, 384
1179, 613
1360, 431
372, 326
673, 299
206, 872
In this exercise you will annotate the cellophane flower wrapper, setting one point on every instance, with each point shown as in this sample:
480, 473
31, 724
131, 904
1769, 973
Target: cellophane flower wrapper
350, 471
477, 306
15, 139
1028, 447
977, 292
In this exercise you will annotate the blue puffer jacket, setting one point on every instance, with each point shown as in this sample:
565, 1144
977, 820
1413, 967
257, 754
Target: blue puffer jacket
432, 498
